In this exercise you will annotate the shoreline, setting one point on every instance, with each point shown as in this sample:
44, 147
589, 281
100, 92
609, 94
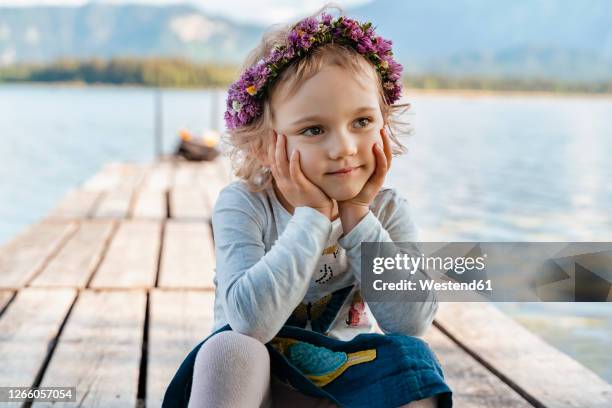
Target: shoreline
477, 93
468, 93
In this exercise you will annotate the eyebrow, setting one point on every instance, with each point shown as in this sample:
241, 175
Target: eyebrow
315, 117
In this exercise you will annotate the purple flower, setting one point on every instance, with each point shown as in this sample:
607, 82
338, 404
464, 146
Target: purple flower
382, 46
353, 29
310, 25
395, 70
326, 18
365, 45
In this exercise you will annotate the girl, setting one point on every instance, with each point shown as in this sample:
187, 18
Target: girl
311, 122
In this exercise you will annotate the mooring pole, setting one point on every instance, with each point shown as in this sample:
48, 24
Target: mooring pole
214, 109
159, 123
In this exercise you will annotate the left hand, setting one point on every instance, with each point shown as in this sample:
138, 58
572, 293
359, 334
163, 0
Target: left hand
351, 211
372, 186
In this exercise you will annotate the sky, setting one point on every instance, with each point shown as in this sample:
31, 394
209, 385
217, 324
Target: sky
240, 10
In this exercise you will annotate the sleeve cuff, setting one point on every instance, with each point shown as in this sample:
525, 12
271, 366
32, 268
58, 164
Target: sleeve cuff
312, 218
360, 232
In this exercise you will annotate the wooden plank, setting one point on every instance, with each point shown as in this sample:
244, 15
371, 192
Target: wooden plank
27, 329
226, 168
159, 179
24, 256
150, 204
189, 204
546, 376
5, 297
179, 320
74, 264
100, 349
115, 204
211, 180
188, 256
472, 384
133, 174
106, 179
120, 181
185, 175
76, 204
131, 259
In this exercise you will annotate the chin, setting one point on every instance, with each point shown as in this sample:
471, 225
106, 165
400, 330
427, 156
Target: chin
342, 193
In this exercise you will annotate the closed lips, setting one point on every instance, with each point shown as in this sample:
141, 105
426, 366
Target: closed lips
343, 170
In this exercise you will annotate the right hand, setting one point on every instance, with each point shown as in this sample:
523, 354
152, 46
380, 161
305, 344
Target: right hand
292, 182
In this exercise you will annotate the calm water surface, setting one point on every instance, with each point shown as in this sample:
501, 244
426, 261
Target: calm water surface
489, 168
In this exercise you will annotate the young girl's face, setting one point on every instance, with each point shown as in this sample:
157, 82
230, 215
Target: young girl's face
333, 120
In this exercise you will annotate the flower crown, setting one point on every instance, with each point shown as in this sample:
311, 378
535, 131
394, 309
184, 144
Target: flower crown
245, 96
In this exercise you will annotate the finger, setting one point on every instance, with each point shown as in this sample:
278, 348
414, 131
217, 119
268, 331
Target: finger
271, 151
297, 173
381, 163
281, 155
387, 147
272, 145
294, 167
273, 170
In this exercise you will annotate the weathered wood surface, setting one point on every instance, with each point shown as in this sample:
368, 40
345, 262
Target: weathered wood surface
135, 232
189, 204
23, 257
179, 321
472, 384
99, 350
188, 198
150, 204
188, 257
131, 259
77, 204
547, 376
5, 297
75, 262
27, 328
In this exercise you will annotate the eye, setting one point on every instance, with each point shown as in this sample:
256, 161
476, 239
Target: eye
363, 122
317, 130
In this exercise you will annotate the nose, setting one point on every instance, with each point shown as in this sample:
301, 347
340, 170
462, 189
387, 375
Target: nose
342, 144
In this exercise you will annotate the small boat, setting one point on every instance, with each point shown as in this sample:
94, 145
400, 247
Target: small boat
195, 148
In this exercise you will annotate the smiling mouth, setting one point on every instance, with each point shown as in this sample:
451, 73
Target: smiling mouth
343, 172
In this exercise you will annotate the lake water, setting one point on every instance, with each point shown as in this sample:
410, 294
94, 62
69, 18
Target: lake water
479, 168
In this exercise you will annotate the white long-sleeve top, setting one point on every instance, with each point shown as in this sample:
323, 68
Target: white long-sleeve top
269, 261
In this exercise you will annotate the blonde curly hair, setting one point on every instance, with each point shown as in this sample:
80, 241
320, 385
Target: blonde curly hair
248, 144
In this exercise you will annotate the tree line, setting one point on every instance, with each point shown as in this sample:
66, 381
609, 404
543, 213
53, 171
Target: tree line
164, 72
177, 72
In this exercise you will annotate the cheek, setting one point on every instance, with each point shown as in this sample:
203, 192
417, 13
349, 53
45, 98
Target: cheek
365, 148
310, 158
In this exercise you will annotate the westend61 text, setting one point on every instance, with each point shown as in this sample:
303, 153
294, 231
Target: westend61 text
404, 284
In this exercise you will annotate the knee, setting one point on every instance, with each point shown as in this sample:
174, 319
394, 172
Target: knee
231, 349
431, 402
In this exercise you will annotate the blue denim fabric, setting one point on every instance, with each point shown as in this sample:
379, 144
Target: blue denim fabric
405, 370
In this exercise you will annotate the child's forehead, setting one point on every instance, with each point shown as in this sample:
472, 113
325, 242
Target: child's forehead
329, 78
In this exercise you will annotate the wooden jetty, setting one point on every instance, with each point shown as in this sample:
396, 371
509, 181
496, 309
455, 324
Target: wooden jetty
112, 290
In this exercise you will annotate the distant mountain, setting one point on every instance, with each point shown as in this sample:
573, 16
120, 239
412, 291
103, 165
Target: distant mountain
558, 39
565, 39
98, 30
